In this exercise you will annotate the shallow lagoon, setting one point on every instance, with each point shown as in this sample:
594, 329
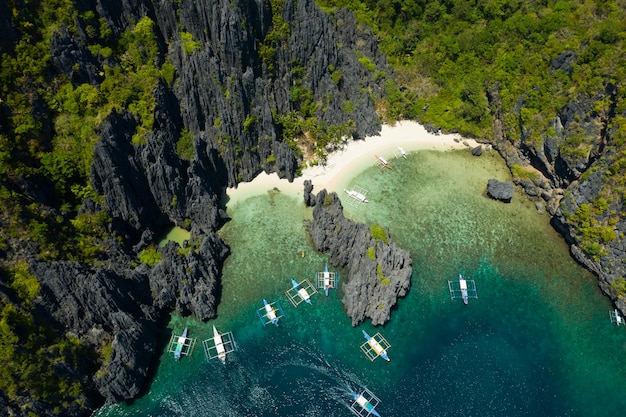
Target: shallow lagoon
537, 341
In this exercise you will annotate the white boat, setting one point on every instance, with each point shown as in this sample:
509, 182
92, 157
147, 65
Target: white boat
180, 344
327, 283
357, 195
364, 407
301, 291
270, 311
463, 287
402, 152
219, 345
383, 161
376, 347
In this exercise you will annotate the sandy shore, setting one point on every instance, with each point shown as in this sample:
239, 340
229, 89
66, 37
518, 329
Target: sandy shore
356, 156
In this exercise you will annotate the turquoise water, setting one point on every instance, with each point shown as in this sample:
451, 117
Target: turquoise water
537, 341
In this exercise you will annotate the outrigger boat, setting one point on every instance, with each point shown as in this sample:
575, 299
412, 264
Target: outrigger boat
357, 195
270, 313
327, 283
463, 288
180, 344
301, 291
327, 280
616, 317
219, 345
364, 404
402, 152
378, 346
383, 162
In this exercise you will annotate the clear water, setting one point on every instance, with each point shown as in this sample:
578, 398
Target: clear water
537, 342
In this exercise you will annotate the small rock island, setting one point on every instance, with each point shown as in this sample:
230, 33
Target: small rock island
379, 272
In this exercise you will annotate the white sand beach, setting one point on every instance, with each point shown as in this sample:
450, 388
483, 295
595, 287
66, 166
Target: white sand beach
356, 156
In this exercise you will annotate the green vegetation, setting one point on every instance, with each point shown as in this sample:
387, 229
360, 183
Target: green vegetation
278, 33
383, 279
189, 44
24, 283
523, 173
447, 53
591, 233
35, 361
150, 256
619, 285
379, 233
371, 253
184, 146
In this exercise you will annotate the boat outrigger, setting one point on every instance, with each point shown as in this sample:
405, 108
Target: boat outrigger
463, 288
364, 404
218, 346
382, 162
375, 346
402, 152
327, 280
300, 292
356, 196
270, 313
181, 345
616, 317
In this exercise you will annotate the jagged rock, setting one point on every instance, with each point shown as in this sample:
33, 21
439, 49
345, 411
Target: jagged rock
133, 348
309, 198
564, 62
431, 128
500, 190
72, 58
478, 150
379, 272
85, 302
187, 280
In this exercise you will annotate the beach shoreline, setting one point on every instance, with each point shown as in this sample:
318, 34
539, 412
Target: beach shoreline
355, 156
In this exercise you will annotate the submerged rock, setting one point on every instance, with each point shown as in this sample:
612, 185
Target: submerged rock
379, 272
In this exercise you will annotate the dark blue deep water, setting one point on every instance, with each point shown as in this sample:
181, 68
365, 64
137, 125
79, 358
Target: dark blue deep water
537, 341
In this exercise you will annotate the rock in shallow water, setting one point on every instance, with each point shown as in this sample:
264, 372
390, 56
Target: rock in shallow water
500, 190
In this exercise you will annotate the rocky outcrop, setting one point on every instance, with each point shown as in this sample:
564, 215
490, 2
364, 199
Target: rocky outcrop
379, 272
186, 280
567, 180
500, 190
104, 306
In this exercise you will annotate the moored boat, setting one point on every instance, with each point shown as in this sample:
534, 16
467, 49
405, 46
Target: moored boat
180, 345
301, 291
327, 283
357, 195
383, 162
219, 345
270, 313
463, 287
376, 347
